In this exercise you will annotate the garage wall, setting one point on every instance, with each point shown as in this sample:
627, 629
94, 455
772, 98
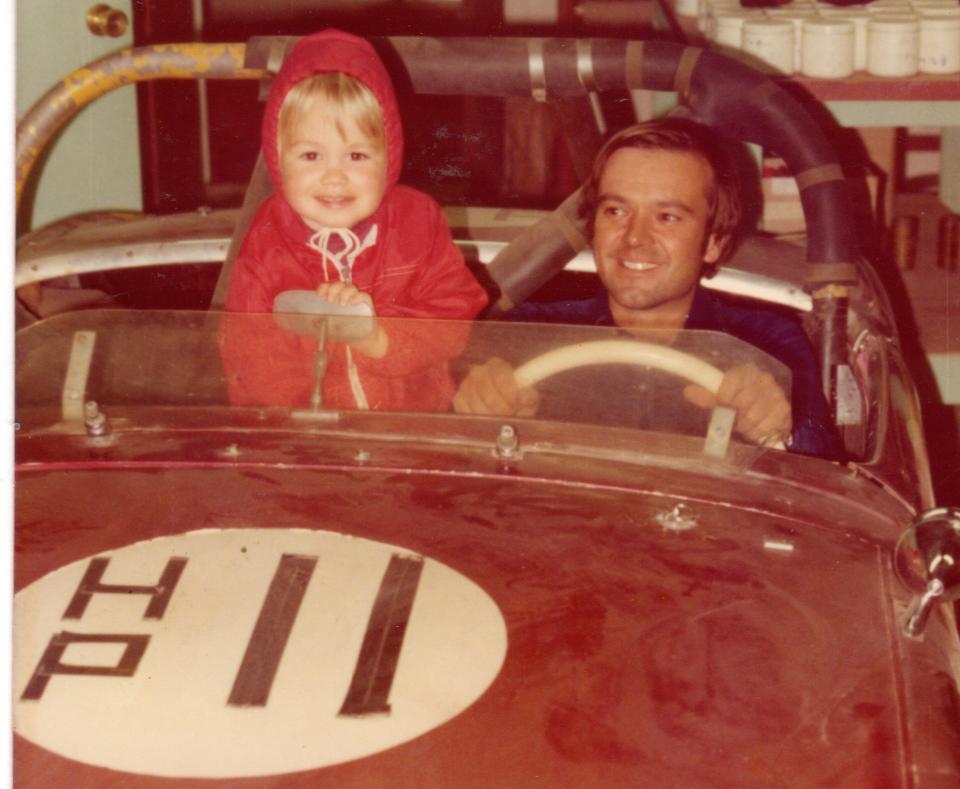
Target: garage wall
95, 163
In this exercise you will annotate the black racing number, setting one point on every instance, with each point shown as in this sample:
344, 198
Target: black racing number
251, 687
376, 664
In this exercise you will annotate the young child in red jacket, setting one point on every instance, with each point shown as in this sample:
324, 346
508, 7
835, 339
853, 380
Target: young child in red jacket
340, 224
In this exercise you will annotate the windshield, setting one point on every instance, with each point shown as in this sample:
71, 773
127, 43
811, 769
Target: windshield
305, 366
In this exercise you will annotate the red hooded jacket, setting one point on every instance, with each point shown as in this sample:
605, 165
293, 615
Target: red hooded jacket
412, 270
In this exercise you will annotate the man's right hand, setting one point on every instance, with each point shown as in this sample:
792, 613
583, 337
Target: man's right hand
491, 389
763, 410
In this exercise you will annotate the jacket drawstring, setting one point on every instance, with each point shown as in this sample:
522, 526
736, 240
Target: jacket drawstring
344, 260
320, 242
356, 385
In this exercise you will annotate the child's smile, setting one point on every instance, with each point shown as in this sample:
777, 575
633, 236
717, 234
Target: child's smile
329, 179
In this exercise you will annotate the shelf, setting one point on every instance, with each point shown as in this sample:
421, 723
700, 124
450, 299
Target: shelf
866, 87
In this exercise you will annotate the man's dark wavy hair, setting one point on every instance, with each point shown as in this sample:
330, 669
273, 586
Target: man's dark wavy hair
678, 134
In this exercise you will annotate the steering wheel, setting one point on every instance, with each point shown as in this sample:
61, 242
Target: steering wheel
583, 354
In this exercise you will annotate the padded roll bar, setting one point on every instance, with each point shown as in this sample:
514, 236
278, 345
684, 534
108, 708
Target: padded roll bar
721, 92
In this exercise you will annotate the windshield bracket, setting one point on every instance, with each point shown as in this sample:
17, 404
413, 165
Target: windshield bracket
78, 370
719, 431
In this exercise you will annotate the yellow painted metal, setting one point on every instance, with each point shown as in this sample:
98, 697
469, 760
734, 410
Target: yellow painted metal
126, 67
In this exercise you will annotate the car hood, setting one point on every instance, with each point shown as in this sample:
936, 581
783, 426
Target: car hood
645, 632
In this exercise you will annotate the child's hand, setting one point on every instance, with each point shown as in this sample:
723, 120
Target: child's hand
345, 294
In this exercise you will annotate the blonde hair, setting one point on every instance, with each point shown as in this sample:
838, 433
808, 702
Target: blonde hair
342, 96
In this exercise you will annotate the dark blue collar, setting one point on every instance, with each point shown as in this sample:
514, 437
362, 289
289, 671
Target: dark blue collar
595, 311
703, 310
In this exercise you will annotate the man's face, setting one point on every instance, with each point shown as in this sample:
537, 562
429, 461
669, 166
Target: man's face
329, 179
649, 233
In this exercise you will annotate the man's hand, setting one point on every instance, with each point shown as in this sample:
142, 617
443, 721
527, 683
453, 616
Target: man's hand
763, 412
491, 389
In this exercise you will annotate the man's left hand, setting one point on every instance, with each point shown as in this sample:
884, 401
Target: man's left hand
763, 411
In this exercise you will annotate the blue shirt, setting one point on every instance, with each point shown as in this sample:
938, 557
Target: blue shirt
776, 332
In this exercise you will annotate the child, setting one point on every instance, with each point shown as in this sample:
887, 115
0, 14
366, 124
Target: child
340, 224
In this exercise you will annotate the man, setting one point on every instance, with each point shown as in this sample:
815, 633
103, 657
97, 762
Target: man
662, 208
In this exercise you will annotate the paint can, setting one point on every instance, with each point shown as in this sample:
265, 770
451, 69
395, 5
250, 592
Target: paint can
771, 41
939, 43
893, 43
828, 48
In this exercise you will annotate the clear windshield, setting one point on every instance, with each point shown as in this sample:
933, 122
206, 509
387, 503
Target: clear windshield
301, 364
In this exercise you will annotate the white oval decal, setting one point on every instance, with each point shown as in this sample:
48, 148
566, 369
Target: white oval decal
247, 652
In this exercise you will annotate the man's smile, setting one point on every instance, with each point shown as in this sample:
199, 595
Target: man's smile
638, 265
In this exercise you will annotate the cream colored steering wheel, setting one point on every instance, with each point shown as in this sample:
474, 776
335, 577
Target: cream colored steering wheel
583, 354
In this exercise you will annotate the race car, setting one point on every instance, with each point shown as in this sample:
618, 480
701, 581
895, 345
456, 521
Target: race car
219, 582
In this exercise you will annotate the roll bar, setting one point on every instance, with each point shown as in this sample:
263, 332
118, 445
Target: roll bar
720, 91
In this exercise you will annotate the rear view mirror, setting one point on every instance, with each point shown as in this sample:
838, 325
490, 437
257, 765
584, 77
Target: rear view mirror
308, 314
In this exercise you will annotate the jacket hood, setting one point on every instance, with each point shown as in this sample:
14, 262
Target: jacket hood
333, 50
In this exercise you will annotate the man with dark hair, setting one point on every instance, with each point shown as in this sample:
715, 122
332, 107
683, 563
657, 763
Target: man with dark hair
662, 207
724, 210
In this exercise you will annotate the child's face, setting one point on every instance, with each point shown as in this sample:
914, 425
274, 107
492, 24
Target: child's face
331, 180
